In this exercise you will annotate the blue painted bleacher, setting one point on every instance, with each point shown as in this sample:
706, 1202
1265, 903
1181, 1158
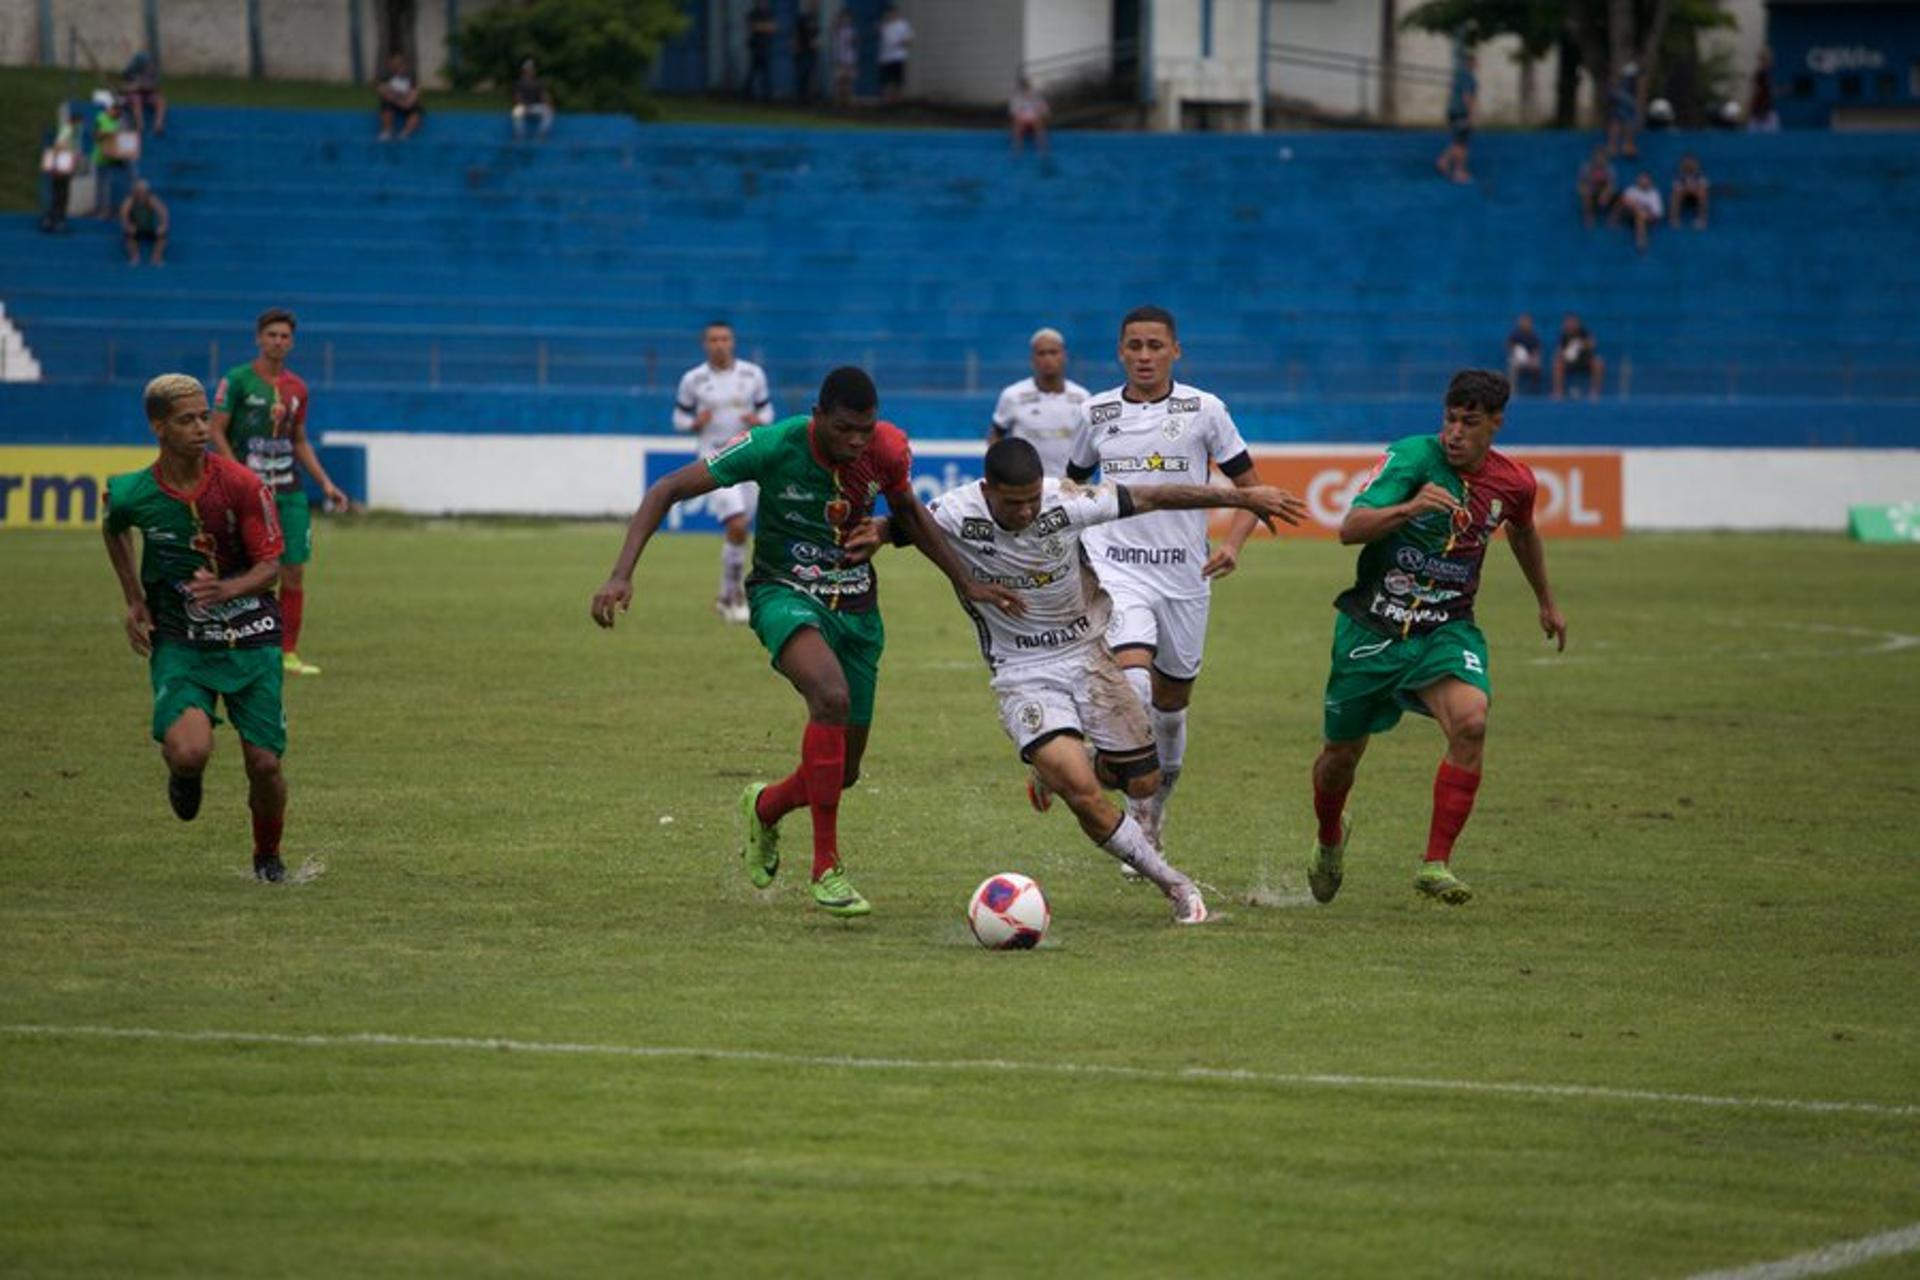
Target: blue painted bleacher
1321, 280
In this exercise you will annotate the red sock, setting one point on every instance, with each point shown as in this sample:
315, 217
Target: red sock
266, 833
781, 798
1453, 789
823, 761
1327, 807
293, 603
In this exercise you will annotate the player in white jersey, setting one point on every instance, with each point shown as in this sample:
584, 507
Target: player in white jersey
1042, 410
719, 398
1058, 685
1155, 431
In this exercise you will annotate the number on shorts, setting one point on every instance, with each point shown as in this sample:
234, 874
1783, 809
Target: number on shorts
1472, 660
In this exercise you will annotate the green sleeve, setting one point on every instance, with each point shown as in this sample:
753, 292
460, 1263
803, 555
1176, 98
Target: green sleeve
740, 460
117, 509
1398, 475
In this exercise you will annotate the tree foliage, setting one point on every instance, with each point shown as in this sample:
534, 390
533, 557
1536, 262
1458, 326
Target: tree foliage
593, 54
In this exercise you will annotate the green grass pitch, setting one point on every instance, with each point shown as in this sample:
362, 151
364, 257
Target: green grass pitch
1695, 856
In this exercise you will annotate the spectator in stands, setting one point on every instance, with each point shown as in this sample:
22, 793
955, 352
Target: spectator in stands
1578, 354
1523, 353
846, 57
60, 161
1461, 103
399, 99
140, 86
1029, 113
806, 50
1690, 188
531, 100
896, 46
1595, 186
762, 28
1761, 117
1641, 205
1623, 112
109, 152
143, 220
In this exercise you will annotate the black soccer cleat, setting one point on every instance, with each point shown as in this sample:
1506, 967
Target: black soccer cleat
268, 867
184, 795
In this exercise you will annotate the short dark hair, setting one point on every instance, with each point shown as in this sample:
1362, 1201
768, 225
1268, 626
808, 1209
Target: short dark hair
848, 388
276, 315
1150, 315
1481, 389
1012, 461
719, 324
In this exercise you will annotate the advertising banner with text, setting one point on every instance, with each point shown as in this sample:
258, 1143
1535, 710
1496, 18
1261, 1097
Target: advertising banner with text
60, 487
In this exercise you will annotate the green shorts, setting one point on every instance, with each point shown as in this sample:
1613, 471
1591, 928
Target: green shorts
1375, 679
857, 639
249, 679
296, 521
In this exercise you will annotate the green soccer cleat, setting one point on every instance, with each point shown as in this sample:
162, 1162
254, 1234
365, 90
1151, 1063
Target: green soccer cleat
834, 894
1328, 867
1436, 880
761, 849
292, 664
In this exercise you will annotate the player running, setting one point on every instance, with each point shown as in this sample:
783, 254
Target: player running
200, 607
260, 410
719, 399
1405, 639
1043, 409
1154, 431
1057, 682
813, 597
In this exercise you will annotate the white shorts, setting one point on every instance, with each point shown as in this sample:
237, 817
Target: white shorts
742, 499
1080, 693
1175, 630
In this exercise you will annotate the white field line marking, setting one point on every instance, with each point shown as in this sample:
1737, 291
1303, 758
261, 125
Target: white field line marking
1885, 642
1221, 1075
1826, 1259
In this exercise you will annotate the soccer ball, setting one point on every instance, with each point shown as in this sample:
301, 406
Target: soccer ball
1009, 913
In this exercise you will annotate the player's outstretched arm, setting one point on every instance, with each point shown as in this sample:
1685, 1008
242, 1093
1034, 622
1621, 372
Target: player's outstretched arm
1530, 549
1263, 501
1370, 524
914, 524
616, 593
139, 622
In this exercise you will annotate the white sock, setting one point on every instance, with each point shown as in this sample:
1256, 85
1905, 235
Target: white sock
1170, 736
1142, 681
1130, 844
733, 570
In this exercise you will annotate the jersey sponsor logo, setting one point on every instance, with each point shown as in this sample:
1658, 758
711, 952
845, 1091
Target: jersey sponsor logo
1402, 615
1029, 397
1052, 520
976, 529
794, 493
1103, 413
1054, 637
1153, 462
1437, 568
813, 553
1147, 555
1183, 404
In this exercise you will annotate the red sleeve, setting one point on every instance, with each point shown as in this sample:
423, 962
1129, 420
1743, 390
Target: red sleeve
258, 516
895, 460
1525, 486
298, 419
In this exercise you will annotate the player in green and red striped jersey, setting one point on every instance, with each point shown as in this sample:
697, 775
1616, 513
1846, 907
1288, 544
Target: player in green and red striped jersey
200, 606
1405, 639
813, 597
260, 418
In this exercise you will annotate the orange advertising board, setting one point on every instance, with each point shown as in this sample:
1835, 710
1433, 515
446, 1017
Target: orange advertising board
1579, 495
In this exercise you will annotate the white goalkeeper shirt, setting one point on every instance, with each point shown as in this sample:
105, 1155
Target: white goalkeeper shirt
737, 395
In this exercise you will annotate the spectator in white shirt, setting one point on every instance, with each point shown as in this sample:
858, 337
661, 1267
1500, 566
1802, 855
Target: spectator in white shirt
1029, 113
896, 44
1642, 204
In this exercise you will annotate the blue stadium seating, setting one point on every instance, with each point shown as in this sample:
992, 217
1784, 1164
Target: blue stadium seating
569, 280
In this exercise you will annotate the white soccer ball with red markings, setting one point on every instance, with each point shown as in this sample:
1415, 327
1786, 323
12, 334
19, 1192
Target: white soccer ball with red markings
1009, 913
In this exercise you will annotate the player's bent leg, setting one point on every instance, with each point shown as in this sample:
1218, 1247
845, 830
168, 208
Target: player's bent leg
1062, 764
809, 662
186, 748
267, 798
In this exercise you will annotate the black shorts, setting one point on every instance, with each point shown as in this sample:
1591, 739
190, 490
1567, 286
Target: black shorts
893, 74
1462, 130
1687, 199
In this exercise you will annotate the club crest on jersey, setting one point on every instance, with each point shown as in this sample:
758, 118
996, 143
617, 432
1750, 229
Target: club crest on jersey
1104, 413
1172, 431
1031, 716
837, 511
1462, 519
